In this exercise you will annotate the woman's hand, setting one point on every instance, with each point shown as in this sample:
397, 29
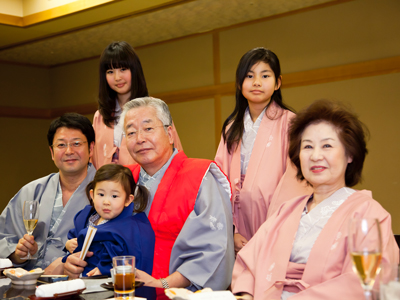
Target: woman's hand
71, 245
74, 266
240, 241
27, 243
175, 280
94, 272
147, 279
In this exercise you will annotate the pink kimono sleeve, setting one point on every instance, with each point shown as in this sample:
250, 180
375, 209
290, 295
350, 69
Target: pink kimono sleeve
243, 276
245, 281
249, 264
347, 285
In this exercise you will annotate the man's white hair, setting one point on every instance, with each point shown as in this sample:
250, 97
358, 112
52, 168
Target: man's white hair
162, 111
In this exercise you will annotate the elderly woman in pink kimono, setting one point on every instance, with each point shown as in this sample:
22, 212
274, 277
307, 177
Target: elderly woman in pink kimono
254, 145
301, 251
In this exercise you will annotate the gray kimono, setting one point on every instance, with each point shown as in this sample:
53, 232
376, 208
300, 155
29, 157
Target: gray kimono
51, 241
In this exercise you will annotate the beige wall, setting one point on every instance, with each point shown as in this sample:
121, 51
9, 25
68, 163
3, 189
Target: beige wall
24, 154
22, 86
178, 65
74, 84
351, 32
195, 121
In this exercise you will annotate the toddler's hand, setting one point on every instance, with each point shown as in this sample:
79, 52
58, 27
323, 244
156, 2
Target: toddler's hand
94, 272
71, 245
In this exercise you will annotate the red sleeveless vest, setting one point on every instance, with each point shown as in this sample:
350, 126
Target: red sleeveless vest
173, 202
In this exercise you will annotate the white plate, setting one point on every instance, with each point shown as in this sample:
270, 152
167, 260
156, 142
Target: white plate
19, 276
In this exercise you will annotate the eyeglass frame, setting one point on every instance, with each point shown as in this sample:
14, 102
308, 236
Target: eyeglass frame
70, 144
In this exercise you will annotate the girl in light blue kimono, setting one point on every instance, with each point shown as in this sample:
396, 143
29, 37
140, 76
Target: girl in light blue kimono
122, 226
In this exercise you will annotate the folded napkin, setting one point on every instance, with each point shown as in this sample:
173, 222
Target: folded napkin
48, 290
204, 294
5, 263
181, 293
94, 285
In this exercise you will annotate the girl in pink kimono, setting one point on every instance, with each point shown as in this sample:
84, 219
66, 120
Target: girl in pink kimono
301, 251
253, 148
121, 79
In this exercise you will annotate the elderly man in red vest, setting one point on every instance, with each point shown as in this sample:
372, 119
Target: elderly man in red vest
189, 204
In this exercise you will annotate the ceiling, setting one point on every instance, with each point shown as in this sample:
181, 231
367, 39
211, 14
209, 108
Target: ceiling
85, 34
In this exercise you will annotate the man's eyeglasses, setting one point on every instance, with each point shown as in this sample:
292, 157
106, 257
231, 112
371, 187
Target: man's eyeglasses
73, 145
146, 131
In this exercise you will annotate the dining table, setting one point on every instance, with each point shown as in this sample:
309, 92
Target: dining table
93, 290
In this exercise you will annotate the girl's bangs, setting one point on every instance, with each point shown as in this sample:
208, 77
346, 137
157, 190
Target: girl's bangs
115, 61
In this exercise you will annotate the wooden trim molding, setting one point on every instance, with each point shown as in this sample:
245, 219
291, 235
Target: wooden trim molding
11, 20
24, 112
45, 113
52, 13
84, 109
324, 75
344, 72
217, 81
61, 11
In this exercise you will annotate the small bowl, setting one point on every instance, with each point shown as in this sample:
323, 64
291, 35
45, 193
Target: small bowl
19, 276
1, 272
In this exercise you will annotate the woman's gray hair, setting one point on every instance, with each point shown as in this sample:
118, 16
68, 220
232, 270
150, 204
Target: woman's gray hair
162, 110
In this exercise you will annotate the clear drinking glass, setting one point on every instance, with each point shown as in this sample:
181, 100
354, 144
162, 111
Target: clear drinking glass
30, 216
365, 247
124, 277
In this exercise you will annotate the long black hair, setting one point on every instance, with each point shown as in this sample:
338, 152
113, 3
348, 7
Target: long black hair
234, 134
119, 55
121, 174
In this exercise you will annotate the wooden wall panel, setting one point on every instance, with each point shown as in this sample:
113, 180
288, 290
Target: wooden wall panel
24, 154
351, 32
195, 124
178, 65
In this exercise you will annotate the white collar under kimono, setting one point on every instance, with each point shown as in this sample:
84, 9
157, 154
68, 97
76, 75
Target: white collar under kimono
248, 138
93, 218
311, 224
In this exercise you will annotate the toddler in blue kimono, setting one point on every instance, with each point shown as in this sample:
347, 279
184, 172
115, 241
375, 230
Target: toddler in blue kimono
119, 231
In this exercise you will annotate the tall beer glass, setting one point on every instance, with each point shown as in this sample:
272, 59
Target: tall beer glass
124, 278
